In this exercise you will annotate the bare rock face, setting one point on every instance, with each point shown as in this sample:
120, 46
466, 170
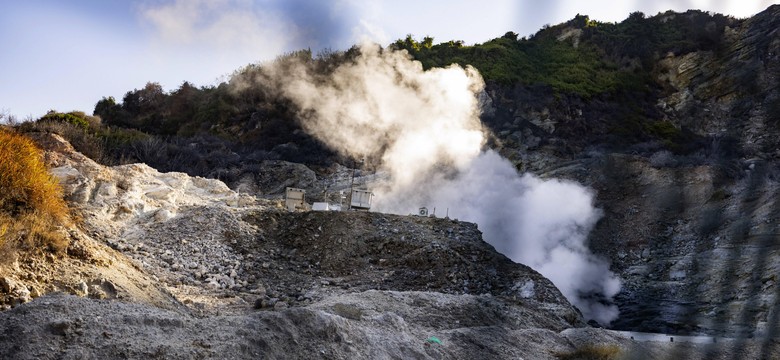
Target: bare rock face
690, 228
697, 251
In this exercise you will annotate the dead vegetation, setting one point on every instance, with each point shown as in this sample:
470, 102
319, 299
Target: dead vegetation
592, 352
32, 210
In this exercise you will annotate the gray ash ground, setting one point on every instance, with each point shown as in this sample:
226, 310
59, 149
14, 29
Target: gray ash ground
299, 253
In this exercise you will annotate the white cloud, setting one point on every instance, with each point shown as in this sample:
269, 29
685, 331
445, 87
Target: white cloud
236, 26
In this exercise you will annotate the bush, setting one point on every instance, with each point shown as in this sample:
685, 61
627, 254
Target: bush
663, 159
75, 118
85, 142
31, 205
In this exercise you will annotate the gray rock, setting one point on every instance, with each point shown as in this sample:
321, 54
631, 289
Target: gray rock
279, 305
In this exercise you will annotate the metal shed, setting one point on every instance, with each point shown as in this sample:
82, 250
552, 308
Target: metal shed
361, 199
295, 199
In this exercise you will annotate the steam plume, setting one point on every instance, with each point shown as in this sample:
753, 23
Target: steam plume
425, 128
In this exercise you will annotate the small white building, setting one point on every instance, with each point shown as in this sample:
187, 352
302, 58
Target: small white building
321, 206
295, 199
360, 199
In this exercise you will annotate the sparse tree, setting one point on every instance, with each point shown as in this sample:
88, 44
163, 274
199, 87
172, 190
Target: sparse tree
427, 42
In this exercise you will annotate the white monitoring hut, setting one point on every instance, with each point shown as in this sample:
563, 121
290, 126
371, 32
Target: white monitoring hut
295, 199
321, 206
360, 199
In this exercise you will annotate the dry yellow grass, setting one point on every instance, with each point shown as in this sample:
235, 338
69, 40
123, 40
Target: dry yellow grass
31, 204
592, 352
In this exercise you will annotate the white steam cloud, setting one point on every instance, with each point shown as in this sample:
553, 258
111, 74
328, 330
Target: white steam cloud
425, 128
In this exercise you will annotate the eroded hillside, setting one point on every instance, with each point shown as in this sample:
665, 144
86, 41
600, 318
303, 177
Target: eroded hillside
362, 276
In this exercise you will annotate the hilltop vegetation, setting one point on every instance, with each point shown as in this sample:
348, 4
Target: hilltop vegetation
582, 56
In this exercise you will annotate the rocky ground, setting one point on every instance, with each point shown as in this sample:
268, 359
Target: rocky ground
88, 269
190, 254
369, 325
168, 266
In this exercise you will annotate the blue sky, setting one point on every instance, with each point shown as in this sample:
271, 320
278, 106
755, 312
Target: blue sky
66, 55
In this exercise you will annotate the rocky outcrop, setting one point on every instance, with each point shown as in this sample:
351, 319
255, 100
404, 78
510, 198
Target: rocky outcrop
131, 193
696, 234
733, 93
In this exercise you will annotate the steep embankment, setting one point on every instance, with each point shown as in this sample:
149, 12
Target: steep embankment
709, 254
698, 254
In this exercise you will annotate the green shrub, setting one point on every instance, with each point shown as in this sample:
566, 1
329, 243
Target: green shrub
79, 129
673, 138
664, 130
582, 70
75, 118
